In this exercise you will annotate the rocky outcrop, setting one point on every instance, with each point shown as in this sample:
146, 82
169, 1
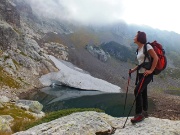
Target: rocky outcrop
8, 108
98, 53
21, 57
93, 123
4, 126
8, 36
9, 13
58, 50
33, 106
4, 99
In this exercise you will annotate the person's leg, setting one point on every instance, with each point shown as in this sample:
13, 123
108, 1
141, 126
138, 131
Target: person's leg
138, 105
138, 96
145, 99
145, 102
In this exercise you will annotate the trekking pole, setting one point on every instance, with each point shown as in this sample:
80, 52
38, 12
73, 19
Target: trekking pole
127, 90
142, 81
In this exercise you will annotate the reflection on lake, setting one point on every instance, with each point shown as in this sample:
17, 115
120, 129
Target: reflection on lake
61, 97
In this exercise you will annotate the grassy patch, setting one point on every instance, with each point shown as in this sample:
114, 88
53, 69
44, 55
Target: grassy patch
50, 37
83, 37
7, 80
20, 117
16, 63
23, 53
57, 114
174, 73
2, 133
17, 31
173, 88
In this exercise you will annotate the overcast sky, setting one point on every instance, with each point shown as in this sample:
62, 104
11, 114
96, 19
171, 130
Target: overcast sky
161, 14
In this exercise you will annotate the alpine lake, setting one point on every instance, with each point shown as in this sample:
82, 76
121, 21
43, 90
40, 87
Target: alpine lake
62, 97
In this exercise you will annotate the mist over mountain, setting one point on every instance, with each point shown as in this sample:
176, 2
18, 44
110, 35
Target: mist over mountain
31, 32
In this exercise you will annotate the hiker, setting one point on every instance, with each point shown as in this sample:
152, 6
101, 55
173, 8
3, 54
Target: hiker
144, 74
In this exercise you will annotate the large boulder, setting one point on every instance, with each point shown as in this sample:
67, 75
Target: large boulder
33, 106
93, 123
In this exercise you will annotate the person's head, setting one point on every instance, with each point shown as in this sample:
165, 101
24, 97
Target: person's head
140, 37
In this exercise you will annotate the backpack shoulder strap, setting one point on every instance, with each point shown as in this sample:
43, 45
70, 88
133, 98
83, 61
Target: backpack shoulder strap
146, 52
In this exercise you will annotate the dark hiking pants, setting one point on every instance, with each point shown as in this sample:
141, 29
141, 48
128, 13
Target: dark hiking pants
142, 99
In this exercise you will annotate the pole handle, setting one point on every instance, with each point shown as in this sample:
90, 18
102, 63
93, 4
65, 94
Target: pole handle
130, 73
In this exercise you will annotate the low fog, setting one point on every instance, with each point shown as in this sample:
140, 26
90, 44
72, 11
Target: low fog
157, 14
81, 11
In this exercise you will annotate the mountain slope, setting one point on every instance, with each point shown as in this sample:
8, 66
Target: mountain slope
32, 36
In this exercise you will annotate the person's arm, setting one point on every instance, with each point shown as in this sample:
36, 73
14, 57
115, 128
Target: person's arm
132, 70
154, 63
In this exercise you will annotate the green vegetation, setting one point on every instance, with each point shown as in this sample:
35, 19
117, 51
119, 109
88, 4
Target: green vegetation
58, 114
83, 37
15, 63
7, 80
17, 31
6, 57
23, 53
23, 121
173, 88
19, 115
51, 37
174, 73
1, 52
2, 133
175, 56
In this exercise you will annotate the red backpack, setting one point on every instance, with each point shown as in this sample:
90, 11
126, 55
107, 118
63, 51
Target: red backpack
162, 61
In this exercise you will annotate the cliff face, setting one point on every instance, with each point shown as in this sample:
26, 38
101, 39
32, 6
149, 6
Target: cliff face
9, 13
22, 59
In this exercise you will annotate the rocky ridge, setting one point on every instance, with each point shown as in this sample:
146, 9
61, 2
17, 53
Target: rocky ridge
93, 123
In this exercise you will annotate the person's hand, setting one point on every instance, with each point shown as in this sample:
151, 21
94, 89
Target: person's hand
131, 71
147, 72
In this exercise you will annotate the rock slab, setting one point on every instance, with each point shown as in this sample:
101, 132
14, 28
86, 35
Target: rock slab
91, 123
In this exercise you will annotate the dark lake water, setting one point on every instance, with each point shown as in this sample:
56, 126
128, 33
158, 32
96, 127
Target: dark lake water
61, 97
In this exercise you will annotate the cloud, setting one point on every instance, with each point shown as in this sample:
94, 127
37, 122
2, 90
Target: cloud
83, 11
161, 14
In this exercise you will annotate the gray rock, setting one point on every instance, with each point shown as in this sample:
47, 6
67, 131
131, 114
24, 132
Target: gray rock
33, 106
4, 99
8, 118
97, 52
4, 126
9, 36
91, 123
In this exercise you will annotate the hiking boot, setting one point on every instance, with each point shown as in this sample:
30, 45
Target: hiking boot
137, 118
145, 114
